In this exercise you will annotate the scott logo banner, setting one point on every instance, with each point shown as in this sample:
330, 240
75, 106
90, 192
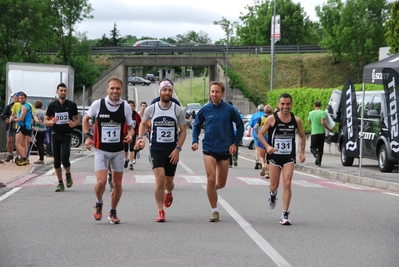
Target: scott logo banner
391, 88
349, 119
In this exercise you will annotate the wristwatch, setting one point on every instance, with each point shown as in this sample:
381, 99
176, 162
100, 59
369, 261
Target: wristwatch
88, 135
178, 148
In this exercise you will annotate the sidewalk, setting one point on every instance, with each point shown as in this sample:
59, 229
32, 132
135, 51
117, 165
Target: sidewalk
332, 168
11, 172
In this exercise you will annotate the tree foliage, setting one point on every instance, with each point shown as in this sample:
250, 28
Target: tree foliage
296, 27
355, 28
392, 28
114, 40
66, 14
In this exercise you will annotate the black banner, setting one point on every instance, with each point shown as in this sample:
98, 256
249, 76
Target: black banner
391, 88
349, 119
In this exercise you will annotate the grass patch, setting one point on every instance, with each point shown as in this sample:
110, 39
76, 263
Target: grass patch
197, 93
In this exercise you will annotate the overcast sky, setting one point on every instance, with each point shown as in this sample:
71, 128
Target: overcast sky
168, 18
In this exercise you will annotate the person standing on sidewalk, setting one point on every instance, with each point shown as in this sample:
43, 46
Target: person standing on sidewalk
281, 129
219, 141
39, 131
10, 128
168, 133
252, 123
62, 116
24, 123
113, 129
317, 119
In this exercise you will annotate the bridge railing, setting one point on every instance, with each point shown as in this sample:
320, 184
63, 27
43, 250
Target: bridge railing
211, 50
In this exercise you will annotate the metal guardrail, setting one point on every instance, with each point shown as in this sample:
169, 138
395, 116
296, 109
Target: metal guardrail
193, 50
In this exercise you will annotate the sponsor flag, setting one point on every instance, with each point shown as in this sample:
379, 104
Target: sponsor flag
391, 88
349, 119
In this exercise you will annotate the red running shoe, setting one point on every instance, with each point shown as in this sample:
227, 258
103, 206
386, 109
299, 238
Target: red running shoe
168, 199
161, 216
97, 214
113, 219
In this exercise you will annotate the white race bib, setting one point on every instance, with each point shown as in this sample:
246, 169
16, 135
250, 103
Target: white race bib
165, 134
63, 117
111, 134
283, 146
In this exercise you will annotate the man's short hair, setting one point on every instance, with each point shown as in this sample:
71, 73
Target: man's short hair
317, 104
285, 95
261, 107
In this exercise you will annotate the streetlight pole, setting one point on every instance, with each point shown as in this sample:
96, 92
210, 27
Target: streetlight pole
226, 24
272, 47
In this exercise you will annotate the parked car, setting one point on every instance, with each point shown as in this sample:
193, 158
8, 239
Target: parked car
138, 80
190, 107
154, 44
246, 118
247, 138
150, 77
375, 130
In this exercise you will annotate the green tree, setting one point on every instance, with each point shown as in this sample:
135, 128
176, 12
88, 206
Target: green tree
296, 27
65, 15
392, 28
104, 41
115, 39
25, 30
192, 37
329, 17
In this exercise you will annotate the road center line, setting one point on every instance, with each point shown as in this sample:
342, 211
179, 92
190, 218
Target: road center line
9, 193
256, 237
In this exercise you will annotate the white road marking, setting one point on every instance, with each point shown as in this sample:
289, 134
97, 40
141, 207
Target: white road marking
392, 194
186, 167
90, 179
46, 180
9, 193
253, 181
305, 183
195, 179
145, 179
256, 237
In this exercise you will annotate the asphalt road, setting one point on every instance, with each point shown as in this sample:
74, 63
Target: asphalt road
333, 223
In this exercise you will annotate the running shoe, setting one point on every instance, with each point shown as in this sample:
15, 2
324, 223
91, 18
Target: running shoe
22, 162
111, 186
134, 161
69, 181
235, 163
267, 175
113, 219
131, 166
214, 217
272, 200
60, 187
126, 163
284, 218
161, 216
230, 166
263, 171
98, 211
168, 199
317, 161
9, 158
39, 162
138, 154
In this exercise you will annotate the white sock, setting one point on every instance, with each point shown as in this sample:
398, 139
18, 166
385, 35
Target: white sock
215, 209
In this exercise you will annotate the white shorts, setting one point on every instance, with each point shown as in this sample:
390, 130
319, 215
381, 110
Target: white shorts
116, 159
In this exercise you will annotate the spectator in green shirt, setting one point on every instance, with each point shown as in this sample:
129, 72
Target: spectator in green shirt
317, 119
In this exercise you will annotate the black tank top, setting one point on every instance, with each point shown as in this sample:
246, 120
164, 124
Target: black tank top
110, 128
282, 137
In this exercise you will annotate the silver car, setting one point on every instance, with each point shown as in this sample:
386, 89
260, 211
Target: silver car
247, 138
